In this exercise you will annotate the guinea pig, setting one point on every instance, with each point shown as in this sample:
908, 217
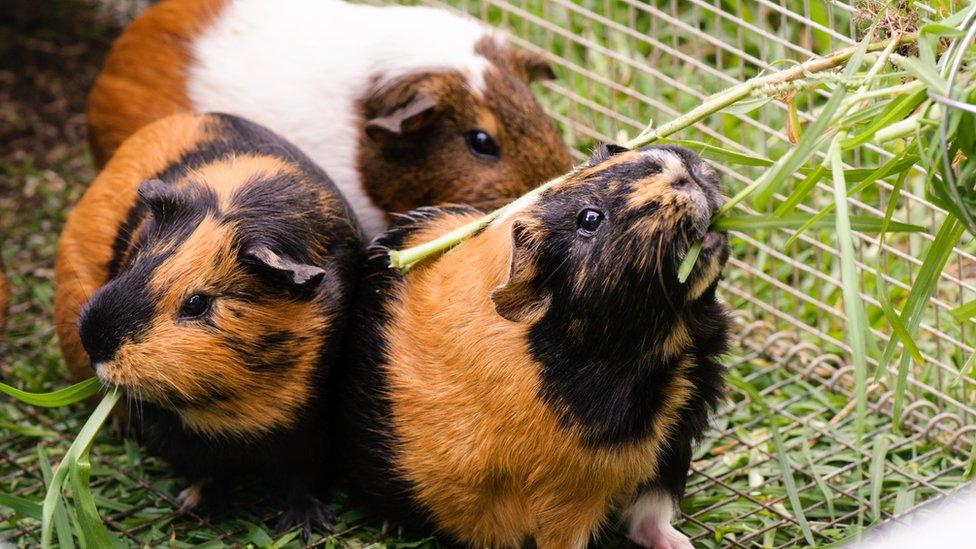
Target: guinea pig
207, 272
401, 106
550, 370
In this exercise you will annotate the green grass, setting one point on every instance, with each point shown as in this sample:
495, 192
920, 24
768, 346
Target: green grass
784, 462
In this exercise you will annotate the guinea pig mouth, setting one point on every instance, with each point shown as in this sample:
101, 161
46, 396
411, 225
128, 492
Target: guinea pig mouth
713, 240
112, 376
714, 250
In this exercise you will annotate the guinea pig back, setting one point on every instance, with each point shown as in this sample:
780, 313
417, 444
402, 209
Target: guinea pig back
207, 272
401, 106
547, 371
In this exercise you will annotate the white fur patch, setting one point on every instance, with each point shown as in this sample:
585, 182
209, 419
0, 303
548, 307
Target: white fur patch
299, 66
650, 522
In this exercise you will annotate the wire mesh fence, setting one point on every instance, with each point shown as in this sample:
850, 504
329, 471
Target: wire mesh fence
620, 64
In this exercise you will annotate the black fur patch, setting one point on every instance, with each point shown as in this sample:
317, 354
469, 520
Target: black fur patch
119, 311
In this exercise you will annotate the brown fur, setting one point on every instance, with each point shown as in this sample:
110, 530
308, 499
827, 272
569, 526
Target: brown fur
531, 150
85, 246
457, 399
153, 54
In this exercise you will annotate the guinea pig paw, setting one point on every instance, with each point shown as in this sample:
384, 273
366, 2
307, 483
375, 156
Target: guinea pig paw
660, 536
310, 514
191, 498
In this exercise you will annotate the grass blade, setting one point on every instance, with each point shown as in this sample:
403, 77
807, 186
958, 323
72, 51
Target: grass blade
911, 316
901, 332
900, 163
928, 275
56, 512
813, 135
55, 399
91, 526
821, 485
964, 312
688, 263
78, 450
850, 289
801, 191
864, 223
877, 475
781, 457
22, 507
726, 156
896, 110
890, 207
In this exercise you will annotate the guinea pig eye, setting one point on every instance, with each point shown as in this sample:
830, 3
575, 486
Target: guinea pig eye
588, 221
196, 305
482, 144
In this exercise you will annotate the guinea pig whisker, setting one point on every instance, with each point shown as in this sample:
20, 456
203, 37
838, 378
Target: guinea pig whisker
74, 273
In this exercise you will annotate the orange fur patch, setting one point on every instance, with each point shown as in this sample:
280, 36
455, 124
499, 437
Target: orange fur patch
141, 81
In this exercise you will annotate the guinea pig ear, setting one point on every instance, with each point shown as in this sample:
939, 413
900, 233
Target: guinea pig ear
519, 299
531, 66
286, 269
407, 118
604, 152
162, 200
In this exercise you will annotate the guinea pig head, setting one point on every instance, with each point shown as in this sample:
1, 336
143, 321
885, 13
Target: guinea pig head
477, 137
598, 254
217, 313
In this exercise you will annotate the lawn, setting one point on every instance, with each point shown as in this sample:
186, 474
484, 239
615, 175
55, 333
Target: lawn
783, 464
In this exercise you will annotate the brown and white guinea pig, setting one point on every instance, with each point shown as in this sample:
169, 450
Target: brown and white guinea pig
402, 106
548, 371
207, 272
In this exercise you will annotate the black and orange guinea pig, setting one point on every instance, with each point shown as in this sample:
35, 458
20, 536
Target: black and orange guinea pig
548, 372
207, 272
403, 106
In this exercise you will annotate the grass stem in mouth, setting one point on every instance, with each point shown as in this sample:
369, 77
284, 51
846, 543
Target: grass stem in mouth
688, 263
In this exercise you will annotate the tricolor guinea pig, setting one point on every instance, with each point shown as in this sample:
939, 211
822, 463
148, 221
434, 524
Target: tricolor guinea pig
402, 106
207, 272
550, 370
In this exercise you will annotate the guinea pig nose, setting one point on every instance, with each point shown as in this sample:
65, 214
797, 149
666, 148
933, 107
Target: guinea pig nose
96, 337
